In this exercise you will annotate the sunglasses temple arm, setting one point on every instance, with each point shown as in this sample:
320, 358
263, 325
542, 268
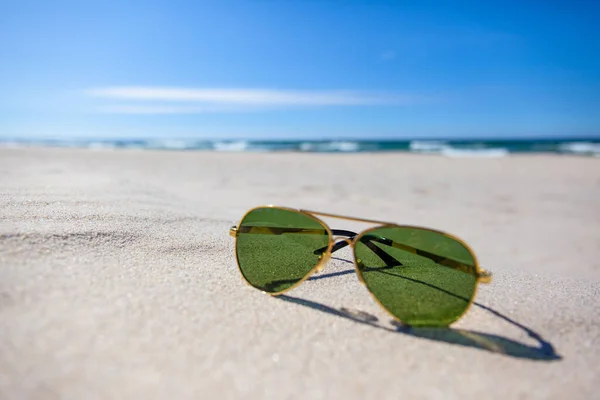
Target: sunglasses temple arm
482, 275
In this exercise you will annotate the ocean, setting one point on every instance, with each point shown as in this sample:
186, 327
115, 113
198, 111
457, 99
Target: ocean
449, 148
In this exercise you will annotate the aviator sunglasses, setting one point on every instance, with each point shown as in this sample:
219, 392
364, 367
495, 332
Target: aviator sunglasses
421, 276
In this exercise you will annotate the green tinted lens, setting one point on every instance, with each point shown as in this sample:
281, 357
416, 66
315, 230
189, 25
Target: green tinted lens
420, 276
277, 248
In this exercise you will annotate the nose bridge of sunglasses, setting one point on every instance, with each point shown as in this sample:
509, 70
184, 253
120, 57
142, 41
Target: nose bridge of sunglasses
341, 239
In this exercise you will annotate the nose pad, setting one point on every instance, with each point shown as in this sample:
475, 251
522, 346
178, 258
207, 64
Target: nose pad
359, 267
323, 258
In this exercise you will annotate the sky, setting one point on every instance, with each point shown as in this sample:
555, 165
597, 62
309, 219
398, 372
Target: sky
297, 69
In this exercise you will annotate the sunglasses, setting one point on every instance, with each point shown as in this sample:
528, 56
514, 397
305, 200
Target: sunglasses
421, 276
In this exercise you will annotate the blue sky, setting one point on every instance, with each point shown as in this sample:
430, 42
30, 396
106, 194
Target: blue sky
299, 69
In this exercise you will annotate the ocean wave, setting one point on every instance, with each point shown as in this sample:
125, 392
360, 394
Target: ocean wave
177, 144
99, 146
476, 149
241, 145
334, 146
492, 152
584, 148
427, 146
447, 148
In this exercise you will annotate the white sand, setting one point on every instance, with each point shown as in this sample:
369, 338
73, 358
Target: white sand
118, 278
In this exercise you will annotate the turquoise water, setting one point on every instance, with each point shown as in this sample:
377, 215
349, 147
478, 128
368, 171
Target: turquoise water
451, 148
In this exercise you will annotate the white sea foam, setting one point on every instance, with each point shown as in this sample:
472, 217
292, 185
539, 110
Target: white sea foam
307, 146
231, 146
445, 149
584, 148
427, 146
341, 146
486, 153
176, 144
101, 146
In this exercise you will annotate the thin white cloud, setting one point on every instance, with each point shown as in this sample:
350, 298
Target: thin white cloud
174, 100
168, 109
244, 96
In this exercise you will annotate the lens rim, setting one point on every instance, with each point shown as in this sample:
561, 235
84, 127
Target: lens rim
478, 270
317, 268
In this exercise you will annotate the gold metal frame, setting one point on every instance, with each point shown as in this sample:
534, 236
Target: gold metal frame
482, 275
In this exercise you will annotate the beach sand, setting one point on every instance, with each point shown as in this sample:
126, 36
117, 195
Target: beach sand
118, 278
